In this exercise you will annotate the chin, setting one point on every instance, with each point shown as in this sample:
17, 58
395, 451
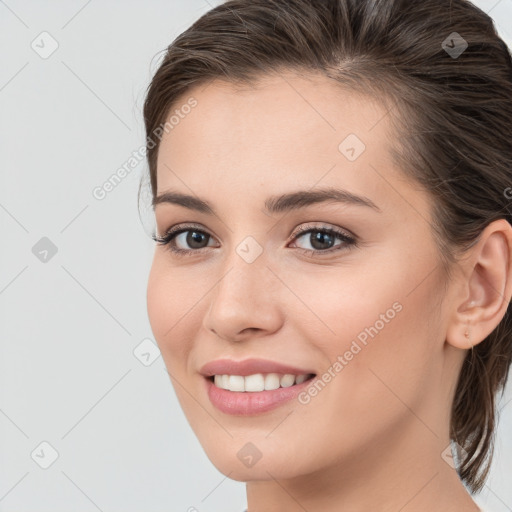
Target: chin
243, 460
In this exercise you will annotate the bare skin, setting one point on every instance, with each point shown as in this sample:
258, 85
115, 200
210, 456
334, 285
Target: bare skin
373, 437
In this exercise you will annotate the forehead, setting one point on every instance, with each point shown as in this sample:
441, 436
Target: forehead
284, 131
280, 107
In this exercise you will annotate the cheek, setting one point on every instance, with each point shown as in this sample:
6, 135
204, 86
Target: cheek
160, 299
340, 305
386, 298
170, 302
397, 369
369, 324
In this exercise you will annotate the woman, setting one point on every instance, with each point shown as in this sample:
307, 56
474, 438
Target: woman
331, 283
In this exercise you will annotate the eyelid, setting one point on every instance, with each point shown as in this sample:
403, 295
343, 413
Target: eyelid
184, 227
321, 226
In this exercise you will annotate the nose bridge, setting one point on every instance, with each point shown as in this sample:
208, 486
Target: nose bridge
242, 296
244, 276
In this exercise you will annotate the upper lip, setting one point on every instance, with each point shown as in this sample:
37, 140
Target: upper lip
249, 367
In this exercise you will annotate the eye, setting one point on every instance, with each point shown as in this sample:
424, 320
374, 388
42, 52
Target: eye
189, 237
323, 239
186, 240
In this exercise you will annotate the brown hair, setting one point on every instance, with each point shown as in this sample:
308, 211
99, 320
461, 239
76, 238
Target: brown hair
453, 113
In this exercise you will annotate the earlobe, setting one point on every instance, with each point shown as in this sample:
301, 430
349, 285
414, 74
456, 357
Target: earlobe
485, 289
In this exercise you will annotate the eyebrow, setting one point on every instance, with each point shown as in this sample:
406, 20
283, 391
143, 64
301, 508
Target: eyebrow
274, 204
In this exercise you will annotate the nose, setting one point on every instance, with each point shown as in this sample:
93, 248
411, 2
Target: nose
245, 302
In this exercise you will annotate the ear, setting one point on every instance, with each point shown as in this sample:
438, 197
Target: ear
485, 288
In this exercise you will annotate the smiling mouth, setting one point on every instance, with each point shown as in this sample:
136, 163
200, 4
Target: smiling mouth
258, 382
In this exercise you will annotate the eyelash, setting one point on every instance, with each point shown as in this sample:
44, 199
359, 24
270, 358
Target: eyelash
168, 239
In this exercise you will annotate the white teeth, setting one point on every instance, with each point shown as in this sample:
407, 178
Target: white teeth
300, 379
258, 381
255, 382
236, 383
271, 381
287, 380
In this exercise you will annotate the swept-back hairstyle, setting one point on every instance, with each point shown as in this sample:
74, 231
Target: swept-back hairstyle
445, 77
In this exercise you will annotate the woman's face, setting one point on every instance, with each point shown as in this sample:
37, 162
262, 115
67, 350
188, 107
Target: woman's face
363, 317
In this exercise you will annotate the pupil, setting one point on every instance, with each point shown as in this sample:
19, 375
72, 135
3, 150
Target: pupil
194, 237
320, 237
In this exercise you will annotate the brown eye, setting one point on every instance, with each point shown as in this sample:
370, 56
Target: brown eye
184, 240
323, 240
192, 239
320, 240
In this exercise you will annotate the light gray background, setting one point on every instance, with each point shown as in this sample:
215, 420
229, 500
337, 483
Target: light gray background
69, 375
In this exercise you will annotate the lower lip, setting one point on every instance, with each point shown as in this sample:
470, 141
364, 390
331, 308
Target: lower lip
249, 403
